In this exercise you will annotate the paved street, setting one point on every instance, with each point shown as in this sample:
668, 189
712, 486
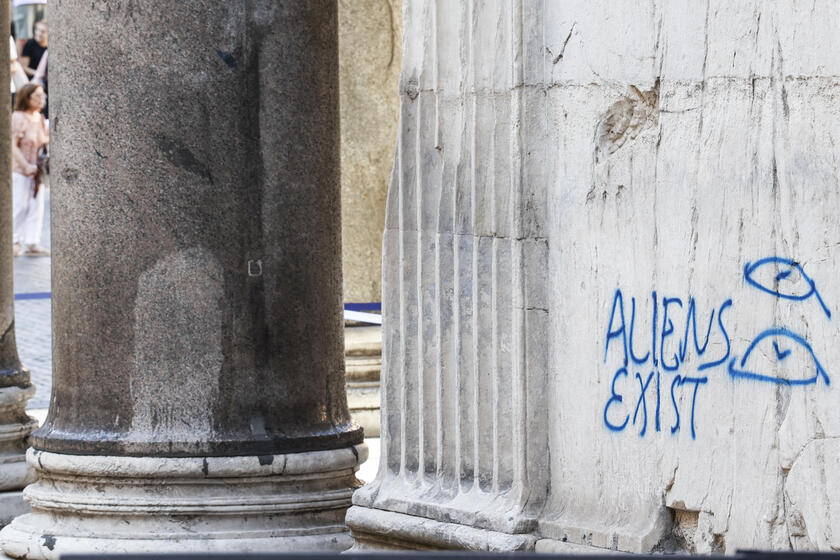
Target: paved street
32, 318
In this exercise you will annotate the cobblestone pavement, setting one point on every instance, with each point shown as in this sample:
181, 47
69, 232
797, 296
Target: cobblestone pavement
32, 319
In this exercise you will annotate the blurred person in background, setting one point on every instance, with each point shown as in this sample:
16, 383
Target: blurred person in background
29, 136
42, 79
19, 78
34, 49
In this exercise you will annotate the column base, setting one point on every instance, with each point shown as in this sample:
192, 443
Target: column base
375, 529
15, 427
98, 504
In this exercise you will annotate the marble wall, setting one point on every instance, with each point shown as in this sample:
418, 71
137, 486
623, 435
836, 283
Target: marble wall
609, 313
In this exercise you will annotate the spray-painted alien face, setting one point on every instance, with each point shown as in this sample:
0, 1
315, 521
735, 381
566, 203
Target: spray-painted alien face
783, 278
776, 348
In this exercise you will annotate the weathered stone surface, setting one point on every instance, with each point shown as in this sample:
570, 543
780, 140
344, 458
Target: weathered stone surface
406, 531
580, 188
185, 504
464, 438
197, 302
369, 61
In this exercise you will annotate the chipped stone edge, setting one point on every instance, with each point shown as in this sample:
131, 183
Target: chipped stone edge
375, 529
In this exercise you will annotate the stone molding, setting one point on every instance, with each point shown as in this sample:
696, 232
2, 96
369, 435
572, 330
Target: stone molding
363, 364
96, 504
16, 427
385, 530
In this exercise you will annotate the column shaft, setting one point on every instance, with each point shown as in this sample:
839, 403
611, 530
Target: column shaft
197, 246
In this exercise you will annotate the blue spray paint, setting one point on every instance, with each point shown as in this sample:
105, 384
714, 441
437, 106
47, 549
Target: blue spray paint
671, 363
726, 305
784, 280
691, 319
618, 302
632, 327
642, 401
675, 383
783, 284
787, 339
615, 398
668, 330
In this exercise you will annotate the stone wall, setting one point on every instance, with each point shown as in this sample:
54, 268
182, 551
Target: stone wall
609, 313
370, 45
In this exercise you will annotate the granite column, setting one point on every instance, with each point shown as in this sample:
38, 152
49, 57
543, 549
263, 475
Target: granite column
15, 387
199, 400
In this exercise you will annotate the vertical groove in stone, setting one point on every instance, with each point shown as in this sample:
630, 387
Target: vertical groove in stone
475, 205
496, 398
446, 312
503, 381
437, 360
430, 186
449, 148
416, 371
503, 269
409, 259
505, 378
482, 147
392, 319
461, 331
464, 353
428, 180
517, 296
484, 372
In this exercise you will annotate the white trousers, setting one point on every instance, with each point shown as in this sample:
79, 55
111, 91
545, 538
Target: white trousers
28, 211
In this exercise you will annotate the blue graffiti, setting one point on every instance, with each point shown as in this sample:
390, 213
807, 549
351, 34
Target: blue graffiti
784, 282
615, 399
678, 381
785, 337
781, 277
726, 305
671, 344
619, 332
642, 401
779, 354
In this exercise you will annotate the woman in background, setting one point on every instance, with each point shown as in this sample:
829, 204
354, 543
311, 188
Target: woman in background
29, 135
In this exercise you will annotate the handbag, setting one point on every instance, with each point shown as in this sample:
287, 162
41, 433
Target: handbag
43, 164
